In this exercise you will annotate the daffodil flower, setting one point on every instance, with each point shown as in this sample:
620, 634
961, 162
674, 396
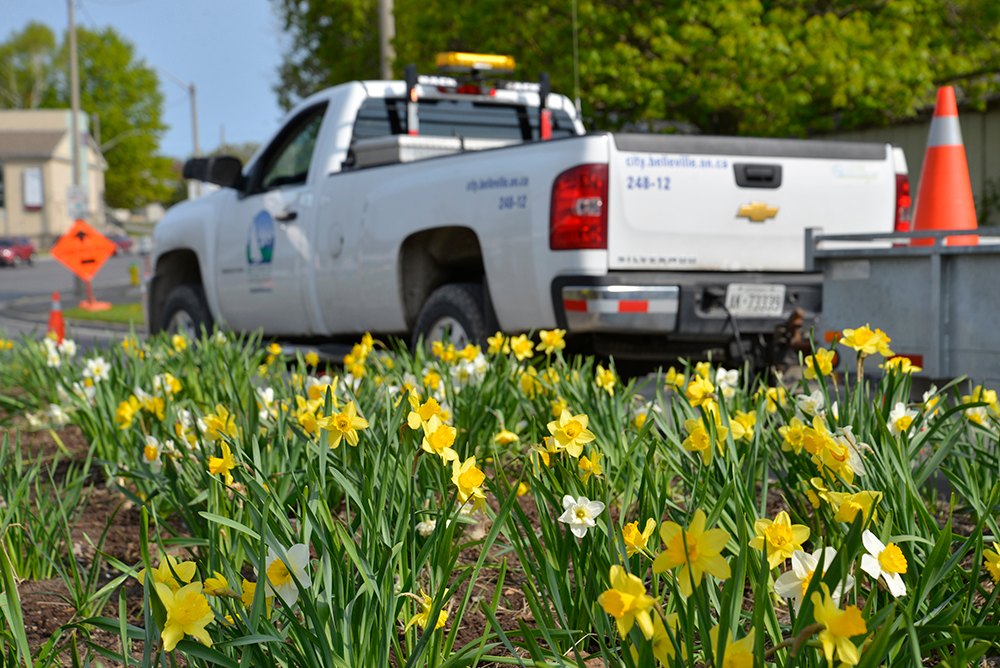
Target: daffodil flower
884, 561
628, 602
781, 537
794, 582
991, 559
438, 439
284, 571
188, 613
635, 540
839, 627
579, 514
570, 432
900, 418
695, 550
343, 426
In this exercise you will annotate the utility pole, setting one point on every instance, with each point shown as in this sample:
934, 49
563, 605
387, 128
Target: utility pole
74, 103
195, 186
386, 33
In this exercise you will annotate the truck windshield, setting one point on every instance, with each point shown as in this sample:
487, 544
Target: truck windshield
457, 118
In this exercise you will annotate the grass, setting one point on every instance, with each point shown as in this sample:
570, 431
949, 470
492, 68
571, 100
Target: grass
124, 314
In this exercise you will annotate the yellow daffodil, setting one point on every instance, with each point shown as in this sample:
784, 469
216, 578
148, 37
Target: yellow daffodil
343, 425
188, 613
521, 346
432, 380
421, 412
522, 488
125, 413
223, 465
590, 466
178, 342
170, 572
545, 451
742, 425
867, 342
635, 540
695, 550
605, 379
736, 653
674, 379
505, 437
497, 344
839, 627
311, 359
422, 617
570, 432
781, 537
249, 591
818, 364
793, 435
468, 479
530, 384
219, 424
991, 559
628, 602
438, 439
218, 585
551, 340
848, 505
776, 397
699, 390
700, 440
901, 364
703, 369
557, 406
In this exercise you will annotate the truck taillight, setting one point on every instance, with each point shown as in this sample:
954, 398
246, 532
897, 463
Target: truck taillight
578, 218
904, 203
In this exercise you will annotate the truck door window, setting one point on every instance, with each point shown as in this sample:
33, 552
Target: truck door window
287, 159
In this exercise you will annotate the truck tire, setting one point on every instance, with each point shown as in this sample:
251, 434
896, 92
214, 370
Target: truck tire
454, 311
186, 311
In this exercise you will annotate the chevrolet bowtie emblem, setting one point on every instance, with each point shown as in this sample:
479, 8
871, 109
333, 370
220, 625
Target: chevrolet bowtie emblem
757, 212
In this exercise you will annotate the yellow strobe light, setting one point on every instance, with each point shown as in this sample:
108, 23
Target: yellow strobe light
457, 61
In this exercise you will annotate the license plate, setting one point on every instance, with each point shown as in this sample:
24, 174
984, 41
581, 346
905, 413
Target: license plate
763, 300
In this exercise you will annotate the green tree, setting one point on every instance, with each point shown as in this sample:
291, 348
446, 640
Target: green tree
26, 66
762, 67
116, 86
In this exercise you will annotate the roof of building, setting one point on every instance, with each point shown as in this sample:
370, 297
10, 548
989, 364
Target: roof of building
29, 143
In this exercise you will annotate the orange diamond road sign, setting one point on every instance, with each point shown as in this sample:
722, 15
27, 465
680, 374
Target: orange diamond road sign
83, 250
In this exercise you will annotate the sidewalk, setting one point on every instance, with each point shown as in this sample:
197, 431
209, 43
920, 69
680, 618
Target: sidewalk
36, 309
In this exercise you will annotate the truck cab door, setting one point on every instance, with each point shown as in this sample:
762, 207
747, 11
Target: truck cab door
263, 244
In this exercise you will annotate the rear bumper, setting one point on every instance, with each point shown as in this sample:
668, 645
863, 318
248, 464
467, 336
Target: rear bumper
681, 305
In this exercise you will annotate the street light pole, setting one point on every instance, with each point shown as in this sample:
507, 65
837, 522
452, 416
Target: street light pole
192, 94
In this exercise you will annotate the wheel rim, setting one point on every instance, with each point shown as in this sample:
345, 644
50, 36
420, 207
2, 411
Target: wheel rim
450, 329
181, 322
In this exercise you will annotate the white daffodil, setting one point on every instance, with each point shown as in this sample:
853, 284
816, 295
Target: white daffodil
900, 418
794, 582
283, 573
811, 404
855, 449
726, 381
265, 403
426, 527
151, 454
67, 348
884, 561
57, 416
97, 369
579, 514
85, 392
219, 338
52, 359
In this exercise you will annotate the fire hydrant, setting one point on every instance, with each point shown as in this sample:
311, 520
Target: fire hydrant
133, 274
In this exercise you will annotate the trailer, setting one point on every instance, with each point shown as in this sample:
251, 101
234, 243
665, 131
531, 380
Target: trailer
940, 303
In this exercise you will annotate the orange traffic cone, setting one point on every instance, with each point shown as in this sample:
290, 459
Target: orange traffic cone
57, 327
944, 199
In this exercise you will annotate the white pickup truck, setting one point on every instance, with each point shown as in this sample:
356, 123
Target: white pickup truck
429, 208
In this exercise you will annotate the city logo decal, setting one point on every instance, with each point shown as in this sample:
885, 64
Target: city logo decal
260, 241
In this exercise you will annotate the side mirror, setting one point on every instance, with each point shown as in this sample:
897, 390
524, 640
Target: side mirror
223, 170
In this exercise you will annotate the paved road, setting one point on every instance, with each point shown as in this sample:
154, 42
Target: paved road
25, 294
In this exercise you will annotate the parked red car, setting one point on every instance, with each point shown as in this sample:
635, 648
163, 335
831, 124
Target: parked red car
15, 251
123, 245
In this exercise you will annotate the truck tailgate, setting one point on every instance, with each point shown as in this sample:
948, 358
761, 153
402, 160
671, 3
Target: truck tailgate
739, 204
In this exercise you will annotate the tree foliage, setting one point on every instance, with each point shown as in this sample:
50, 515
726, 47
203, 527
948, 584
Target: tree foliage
780, 67
116, 87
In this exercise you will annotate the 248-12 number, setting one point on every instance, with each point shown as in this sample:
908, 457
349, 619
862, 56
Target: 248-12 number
647, 182
508, 202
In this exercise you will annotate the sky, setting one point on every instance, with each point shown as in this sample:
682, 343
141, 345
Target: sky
229, 49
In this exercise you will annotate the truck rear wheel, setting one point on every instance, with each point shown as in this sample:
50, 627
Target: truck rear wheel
186, 312
454, 312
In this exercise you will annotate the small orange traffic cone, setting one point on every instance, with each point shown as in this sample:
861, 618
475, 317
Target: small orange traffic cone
944, 198
57, 326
